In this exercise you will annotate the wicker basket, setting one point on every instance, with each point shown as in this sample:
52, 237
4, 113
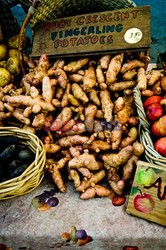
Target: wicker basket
33, 175
151, 154
51, 9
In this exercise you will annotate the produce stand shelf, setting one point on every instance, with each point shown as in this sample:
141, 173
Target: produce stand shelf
23, 227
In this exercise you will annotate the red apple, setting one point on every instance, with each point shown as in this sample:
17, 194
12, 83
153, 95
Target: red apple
159, 127
160, 146
152, 99
144, 203
154, 111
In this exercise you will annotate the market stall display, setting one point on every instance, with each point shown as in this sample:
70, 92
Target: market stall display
78, 108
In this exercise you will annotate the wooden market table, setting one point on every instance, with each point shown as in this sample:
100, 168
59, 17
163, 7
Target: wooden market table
23, 227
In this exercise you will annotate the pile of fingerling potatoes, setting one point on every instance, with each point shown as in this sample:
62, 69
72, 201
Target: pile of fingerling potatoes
83, 110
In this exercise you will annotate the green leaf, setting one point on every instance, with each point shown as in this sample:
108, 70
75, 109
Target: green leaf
134, 190
157, 171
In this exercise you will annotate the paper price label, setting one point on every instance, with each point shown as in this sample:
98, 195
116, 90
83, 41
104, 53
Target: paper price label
133, 35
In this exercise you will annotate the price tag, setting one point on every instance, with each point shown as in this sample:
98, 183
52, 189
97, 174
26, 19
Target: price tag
133, 35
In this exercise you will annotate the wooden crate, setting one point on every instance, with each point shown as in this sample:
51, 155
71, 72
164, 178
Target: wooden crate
148, 194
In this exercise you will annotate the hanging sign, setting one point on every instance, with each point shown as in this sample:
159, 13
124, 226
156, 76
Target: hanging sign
94, 33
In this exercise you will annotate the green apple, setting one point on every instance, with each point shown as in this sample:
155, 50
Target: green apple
144, 177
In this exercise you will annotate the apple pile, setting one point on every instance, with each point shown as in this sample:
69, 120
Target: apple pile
155, 109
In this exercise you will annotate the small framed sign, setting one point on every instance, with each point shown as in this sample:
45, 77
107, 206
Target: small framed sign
94, 33
148, 194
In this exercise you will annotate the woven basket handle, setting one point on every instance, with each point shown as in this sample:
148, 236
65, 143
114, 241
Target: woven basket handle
30, 13
140, 108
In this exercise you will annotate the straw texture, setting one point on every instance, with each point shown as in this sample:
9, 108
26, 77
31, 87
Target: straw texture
51, 9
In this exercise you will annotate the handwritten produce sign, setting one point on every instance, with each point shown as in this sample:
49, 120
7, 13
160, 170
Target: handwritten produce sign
148, 194
94, 33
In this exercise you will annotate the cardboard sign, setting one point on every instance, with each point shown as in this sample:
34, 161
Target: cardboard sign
95, 33
148, 194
